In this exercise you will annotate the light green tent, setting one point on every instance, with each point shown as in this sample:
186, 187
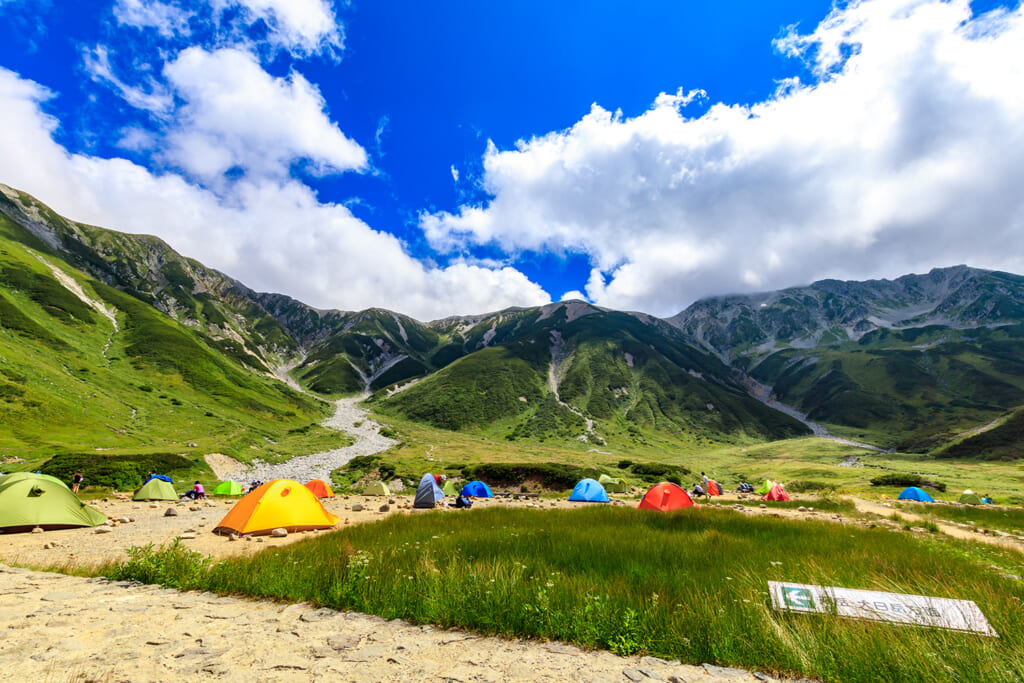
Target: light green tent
228, 488
450, 489
377, 488
612, 484
156, 489
765, 487
969, 497
31, 500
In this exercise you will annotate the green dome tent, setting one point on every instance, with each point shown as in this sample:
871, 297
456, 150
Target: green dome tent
31, 500
612, 484
969, 497
377, 488
765, 487
155, 489
228, 488
450, 489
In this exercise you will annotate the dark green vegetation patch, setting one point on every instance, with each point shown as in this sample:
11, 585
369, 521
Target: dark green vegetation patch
120, 472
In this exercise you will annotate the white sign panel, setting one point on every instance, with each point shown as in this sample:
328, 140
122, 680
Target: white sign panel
921, 610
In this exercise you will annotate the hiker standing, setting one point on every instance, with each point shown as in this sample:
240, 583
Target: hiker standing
76, 481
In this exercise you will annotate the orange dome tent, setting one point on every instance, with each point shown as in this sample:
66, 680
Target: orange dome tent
665, 497
714, 488
777, 493
320, 488
281, 503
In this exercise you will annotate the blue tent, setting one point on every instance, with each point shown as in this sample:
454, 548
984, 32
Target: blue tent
161, 477
914, 493
477, 489
589, 491
427, 493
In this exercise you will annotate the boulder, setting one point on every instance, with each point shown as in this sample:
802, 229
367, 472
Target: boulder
171, 512
357, 507
385, 508
279, 532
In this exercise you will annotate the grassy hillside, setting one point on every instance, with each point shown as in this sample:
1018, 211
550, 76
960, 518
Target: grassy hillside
627, 375
913, 390
73, 381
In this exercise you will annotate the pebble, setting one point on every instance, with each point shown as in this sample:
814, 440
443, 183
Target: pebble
279, 532
171, 512
102, 530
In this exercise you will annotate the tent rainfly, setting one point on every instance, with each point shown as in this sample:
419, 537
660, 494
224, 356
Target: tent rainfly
320, 488
377, 488
914, 493
777, 493
664, 497
612, 484
477, 489
589, 491
281, 503
155, 489
428, 493
228, 488
37, 500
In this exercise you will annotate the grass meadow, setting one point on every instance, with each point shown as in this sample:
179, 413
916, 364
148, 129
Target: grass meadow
690, 585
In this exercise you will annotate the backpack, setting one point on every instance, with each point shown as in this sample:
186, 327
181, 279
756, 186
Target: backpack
463, 502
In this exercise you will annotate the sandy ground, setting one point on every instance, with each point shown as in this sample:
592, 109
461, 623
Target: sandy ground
194, 523
58, 627
64, 628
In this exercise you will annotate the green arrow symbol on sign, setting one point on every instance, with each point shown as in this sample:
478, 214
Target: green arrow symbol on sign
798, 597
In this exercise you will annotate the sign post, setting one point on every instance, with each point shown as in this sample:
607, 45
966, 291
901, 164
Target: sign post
898, 608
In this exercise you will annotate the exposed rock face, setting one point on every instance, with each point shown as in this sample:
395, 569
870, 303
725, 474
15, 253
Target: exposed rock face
831, 311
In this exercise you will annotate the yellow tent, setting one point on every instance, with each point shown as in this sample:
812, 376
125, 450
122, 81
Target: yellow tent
281, 503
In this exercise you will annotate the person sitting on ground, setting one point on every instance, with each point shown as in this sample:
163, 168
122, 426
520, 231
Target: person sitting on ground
463, 502
199, 491
697, 491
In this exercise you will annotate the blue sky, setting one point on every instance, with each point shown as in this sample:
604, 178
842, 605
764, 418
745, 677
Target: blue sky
459, 157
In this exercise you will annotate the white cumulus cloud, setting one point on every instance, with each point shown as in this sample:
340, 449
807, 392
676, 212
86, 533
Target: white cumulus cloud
905, 153
235, 114
269, 232
303, 27
168, 19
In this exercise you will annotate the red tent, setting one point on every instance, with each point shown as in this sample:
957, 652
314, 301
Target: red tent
714, 488
320, 488
665, 497
777, 493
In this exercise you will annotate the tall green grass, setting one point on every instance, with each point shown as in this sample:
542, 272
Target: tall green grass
690, 585
988, 517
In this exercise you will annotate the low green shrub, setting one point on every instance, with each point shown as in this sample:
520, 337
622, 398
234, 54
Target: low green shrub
906, 479
550, 475
119, 472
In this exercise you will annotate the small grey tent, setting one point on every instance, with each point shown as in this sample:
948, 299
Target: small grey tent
427, 493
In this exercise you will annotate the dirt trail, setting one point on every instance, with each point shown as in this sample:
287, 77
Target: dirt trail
349, 418
58, 627
947, 528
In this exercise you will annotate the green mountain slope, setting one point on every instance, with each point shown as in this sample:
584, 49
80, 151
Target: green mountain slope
87, 368
557, 367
